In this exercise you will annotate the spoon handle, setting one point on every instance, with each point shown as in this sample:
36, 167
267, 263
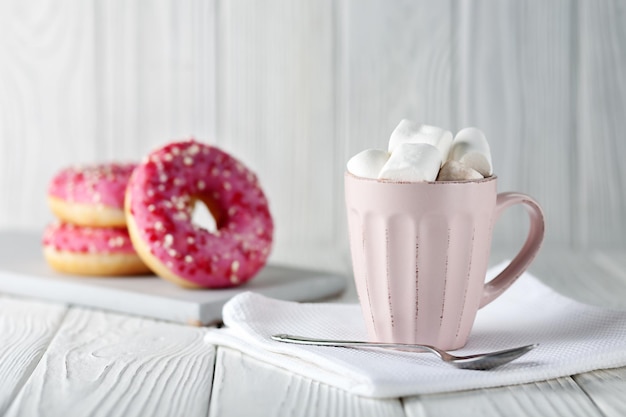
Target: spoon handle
351, 343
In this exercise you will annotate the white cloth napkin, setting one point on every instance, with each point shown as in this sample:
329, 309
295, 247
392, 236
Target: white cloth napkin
573, 338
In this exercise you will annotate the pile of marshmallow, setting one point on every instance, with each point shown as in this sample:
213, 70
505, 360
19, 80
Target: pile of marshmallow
420, 152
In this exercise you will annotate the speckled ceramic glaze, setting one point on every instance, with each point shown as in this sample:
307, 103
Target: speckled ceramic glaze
420, 253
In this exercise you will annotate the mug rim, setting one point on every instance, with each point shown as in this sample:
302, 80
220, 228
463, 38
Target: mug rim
348, 174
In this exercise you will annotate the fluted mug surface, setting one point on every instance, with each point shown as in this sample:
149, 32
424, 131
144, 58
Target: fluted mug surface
420, 253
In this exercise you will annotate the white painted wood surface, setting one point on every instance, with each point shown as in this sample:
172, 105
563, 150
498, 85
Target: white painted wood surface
26, 329
606, 388
58, 360
601, 102
271, 393
104, 364
558, 397
295, 88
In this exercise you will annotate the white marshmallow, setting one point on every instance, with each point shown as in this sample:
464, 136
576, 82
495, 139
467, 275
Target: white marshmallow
411, 132
457, 171
471, 148
412, 162
367, 163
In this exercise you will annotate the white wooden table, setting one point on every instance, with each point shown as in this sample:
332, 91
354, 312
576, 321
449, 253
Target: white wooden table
62, 360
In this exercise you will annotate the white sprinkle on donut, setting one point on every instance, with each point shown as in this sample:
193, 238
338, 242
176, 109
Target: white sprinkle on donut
180, 216
193, 149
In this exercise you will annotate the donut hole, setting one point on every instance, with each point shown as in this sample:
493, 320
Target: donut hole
206, 214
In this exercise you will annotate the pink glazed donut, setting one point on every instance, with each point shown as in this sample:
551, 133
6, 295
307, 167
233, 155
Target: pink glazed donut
90, 195
160, 200
84, 250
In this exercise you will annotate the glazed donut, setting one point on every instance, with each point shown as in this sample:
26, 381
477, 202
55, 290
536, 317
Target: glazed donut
160, 199
84, 250
91, 195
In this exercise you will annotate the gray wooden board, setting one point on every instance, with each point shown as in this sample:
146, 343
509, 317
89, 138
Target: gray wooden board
23, 271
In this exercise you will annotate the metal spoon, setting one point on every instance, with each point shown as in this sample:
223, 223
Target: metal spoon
480, 361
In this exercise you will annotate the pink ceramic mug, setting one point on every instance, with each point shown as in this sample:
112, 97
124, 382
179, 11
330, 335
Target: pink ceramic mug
420, 253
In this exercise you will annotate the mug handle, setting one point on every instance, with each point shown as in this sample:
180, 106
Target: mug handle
494, 288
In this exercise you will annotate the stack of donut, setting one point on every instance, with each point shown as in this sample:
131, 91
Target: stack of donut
112, 212
90, 236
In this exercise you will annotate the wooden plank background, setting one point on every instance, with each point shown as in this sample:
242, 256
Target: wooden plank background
295, 88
